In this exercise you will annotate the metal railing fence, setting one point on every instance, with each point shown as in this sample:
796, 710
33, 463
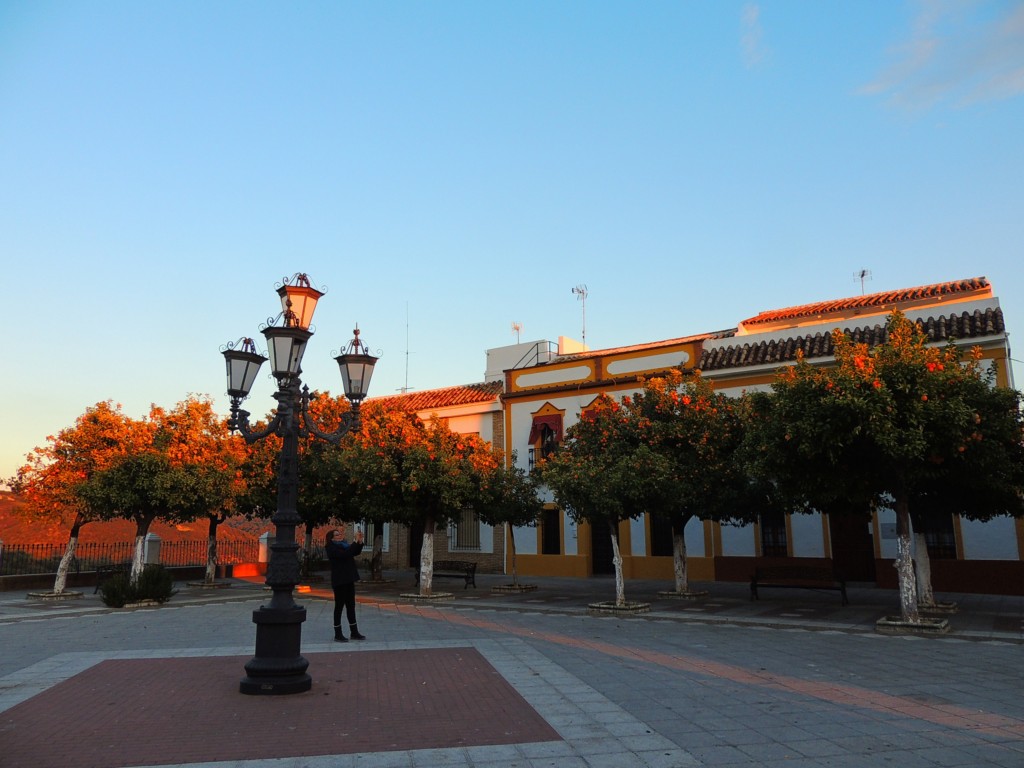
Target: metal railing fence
33, 559
29, 559
179, 553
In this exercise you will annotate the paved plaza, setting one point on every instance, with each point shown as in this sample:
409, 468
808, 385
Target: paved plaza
506, 679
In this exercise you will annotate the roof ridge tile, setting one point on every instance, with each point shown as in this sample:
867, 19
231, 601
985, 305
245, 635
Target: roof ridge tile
879, 299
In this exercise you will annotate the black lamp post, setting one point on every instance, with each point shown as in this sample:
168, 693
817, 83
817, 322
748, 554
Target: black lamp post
278, 666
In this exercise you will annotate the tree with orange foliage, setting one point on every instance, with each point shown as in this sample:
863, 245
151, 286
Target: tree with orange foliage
322, 484
511, 502
404, 469
199, 438
188, 468
602, 472
322, 487
52, 479
900, 424
697, 434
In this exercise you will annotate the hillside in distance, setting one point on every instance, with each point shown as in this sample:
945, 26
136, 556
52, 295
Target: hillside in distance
17, 528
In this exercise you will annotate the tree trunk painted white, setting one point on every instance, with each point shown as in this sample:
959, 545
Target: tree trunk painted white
905, 564
377, 554
427, 559
510, 536
137, 558
679, 562
923, 569
61, 581
620, 587
211, 556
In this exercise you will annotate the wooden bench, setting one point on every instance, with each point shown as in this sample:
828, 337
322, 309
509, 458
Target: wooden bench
105, 571
453, 569
796, 577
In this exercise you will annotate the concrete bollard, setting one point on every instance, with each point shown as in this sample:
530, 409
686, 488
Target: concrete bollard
151, 549
265, 541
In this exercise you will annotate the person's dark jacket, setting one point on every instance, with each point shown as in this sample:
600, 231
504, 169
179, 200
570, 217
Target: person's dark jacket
342, 555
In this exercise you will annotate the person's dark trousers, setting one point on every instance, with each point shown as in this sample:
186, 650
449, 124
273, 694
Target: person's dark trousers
344, 597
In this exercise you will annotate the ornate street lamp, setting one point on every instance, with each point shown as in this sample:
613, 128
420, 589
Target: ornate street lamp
278, 666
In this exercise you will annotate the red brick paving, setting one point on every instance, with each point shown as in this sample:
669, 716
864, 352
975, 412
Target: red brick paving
188, 710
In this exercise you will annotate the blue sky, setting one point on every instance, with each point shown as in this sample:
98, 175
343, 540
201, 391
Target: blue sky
448, 168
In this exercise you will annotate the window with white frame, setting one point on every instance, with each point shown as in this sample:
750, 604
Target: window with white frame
385, 531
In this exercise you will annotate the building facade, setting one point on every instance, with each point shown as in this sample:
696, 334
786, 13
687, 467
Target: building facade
546, 392
467, 409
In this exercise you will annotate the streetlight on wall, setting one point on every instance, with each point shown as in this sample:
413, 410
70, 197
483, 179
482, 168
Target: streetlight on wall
278, 666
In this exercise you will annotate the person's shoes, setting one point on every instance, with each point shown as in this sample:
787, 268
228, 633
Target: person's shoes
355, 632
338, 636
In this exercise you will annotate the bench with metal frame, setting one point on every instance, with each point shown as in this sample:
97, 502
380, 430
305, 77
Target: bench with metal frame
796, 577
453, 569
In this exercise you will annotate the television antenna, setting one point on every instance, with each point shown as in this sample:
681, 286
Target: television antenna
581, 293
862, 275
516, 328
405, 389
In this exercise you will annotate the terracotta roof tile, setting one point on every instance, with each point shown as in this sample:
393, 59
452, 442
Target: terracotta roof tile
432, 399
871, 300
967, 325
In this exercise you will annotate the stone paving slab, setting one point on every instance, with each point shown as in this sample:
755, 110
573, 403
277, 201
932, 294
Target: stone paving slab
978, 616
792, 681
377, 704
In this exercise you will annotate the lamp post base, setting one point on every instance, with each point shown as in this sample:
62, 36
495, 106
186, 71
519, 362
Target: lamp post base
276, 686
277, 668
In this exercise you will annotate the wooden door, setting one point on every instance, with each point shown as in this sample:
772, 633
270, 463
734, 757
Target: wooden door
853, 546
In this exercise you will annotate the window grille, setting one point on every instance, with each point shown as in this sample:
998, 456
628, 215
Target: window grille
773, 535
465, 533
940, 538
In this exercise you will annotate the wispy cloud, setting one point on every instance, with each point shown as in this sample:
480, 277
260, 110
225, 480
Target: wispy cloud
960, 51
751, 36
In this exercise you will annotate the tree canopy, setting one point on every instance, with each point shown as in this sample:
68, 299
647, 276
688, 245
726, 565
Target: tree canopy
408, 470
604, 472
892, 425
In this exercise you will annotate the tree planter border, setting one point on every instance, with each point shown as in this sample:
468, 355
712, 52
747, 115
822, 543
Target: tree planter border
895, 625
67, 595
938, 608
513, 588
209, 585
143, 604
613, 608
434, 597
687, 595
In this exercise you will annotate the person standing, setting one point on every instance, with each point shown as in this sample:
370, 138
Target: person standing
344, 575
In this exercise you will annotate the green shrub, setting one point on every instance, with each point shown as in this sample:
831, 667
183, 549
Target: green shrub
155, 583
116, 591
